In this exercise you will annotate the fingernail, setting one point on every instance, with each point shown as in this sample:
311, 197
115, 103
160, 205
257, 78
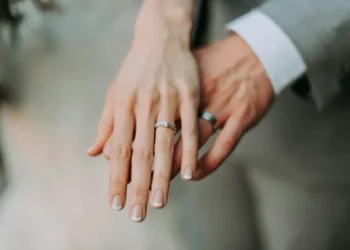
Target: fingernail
136, 214
158, 198
188, 173
117, 202
89, 150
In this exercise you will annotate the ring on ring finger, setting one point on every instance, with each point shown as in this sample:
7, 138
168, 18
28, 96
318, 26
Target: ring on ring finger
164, 143
205, 115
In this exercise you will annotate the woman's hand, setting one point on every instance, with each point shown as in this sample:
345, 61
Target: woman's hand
158, 81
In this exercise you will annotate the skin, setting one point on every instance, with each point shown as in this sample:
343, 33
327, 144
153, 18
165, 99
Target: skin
236, 90
158, 81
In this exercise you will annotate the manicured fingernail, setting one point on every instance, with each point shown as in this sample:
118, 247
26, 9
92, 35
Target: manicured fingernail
158, 198
117, 202
188, 173
89, 150
136, 214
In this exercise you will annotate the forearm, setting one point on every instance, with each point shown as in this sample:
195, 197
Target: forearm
174, 10
164, 18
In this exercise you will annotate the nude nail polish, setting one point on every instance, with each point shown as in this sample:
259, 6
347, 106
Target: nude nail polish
89, 150
188, 173
117, 202
136, 213
158, 198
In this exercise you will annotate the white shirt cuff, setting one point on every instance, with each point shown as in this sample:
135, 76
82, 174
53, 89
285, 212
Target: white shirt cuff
277, 53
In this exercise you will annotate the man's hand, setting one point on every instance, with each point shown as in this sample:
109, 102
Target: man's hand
236, 90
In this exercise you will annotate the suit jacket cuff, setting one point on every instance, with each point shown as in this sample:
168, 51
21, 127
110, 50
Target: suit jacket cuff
277, 53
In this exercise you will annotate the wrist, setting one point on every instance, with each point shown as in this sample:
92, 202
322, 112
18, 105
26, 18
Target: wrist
246, 63
173, 11
159, 21
231, 60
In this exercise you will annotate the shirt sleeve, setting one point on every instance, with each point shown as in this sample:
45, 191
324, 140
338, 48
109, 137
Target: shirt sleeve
276, 51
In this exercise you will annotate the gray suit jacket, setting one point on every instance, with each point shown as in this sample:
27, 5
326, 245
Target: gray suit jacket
321, 31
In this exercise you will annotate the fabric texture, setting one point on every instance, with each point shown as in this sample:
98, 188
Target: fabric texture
324, 44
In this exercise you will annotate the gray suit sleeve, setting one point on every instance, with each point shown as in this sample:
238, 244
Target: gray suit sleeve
320, 29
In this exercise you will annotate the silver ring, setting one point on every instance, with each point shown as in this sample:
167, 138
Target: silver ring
166, 124
208, 117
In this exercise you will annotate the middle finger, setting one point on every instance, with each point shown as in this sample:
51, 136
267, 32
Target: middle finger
142, 159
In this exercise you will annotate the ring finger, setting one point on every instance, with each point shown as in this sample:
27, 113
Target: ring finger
164, 149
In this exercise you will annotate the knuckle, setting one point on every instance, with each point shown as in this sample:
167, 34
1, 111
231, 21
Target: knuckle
169, 92
149, 99
143, 153
149, 94
247, 112
141, 191
191, 132
117, 182
165, 143
190, 154
190, 92
229, 142
124, 99
162, 178
154, 98
253, 114
244, 110
242, 92
122, 152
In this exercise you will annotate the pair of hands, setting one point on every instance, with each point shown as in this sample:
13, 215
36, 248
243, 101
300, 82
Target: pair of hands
161, 79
